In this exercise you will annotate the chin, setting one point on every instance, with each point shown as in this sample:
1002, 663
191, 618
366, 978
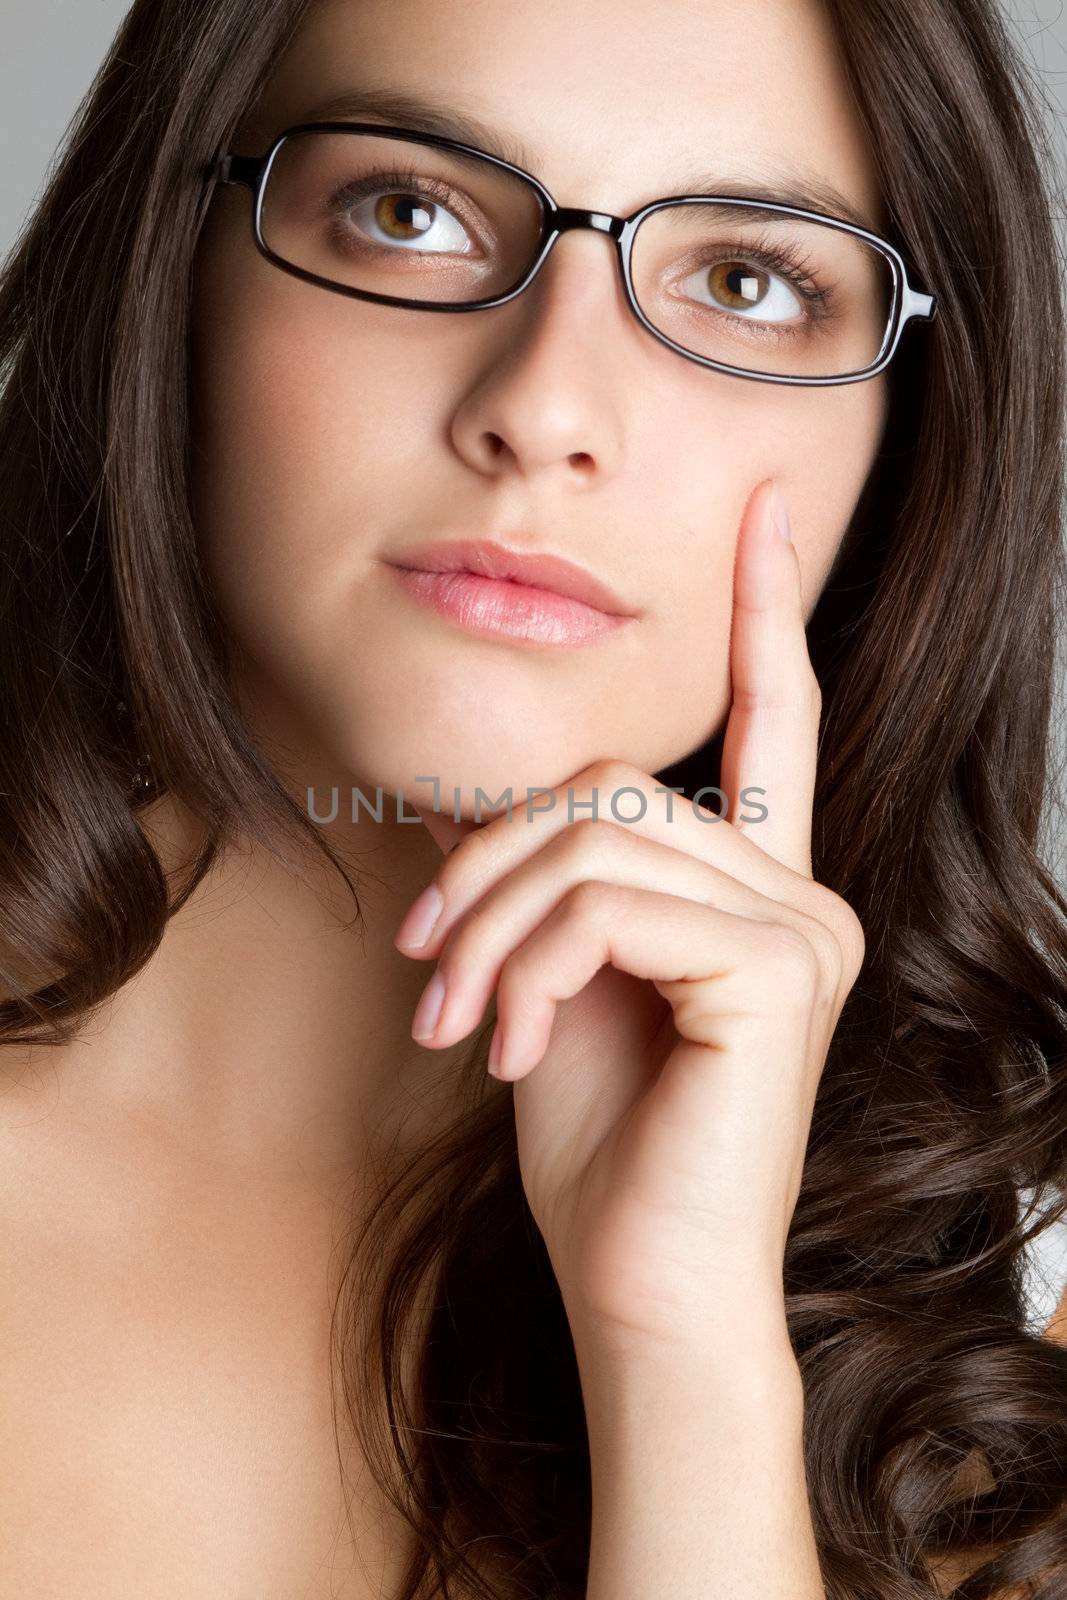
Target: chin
481, 782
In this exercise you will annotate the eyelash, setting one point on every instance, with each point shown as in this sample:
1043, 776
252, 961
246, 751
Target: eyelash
790, 264
407, 180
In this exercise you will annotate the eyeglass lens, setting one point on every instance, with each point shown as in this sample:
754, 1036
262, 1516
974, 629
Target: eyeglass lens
736, 283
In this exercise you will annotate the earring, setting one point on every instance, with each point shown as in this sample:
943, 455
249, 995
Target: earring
142, 772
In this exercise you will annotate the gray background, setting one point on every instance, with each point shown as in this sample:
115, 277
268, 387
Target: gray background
53, 47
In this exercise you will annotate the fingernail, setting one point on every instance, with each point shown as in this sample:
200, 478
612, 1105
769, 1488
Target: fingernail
418, 925
780, 514
429, 1008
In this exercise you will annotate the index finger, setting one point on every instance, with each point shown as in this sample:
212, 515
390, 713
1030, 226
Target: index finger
771, 738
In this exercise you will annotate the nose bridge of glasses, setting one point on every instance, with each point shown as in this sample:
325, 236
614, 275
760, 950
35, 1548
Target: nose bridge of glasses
567, 217
570, 219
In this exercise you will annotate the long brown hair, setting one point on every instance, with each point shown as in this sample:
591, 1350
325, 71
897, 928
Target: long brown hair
945, 1090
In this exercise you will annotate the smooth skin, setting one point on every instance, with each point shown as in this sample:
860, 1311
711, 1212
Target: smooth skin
177, 1186
661, 1147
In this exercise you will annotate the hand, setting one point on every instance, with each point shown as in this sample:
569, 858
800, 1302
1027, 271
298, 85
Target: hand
666, 992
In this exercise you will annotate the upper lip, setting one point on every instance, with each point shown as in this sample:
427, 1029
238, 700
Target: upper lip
492, 560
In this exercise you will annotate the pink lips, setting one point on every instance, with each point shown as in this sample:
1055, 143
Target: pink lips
486, 588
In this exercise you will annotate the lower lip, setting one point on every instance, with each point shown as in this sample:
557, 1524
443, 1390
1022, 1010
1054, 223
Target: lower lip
501, 606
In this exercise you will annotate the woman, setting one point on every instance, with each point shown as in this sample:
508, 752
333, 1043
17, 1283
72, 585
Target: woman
712, 1283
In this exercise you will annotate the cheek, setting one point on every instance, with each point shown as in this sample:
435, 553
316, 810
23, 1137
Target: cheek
820, 444
829, 439
731, 433
305, 431
290, 420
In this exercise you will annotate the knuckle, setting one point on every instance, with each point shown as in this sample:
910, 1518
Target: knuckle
802, 697
854, 944
517, 991
814, 688
588, 843
512, 984
585, 899
609, 774
800, 692
468, 941
844, 925
828, 955
793, 960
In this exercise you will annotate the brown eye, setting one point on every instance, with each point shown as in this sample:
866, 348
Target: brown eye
745, 292
402, 216
737, 284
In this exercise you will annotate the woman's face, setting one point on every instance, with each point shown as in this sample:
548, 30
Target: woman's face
331, 433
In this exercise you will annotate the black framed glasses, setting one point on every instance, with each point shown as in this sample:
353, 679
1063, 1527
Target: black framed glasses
741, 284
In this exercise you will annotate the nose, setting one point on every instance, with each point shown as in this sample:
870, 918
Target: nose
550, 401
569, 219
584, 292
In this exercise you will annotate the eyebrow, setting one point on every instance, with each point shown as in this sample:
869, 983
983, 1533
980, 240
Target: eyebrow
421, 113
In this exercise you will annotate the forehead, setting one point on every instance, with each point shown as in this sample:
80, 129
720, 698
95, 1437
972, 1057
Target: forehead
611, 103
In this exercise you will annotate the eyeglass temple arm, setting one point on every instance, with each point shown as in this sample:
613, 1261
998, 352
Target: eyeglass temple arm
922, 306
246, 169
236, 169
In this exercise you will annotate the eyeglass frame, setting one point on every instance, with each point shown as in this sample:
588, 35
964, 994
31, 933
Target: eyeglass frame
908, 302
